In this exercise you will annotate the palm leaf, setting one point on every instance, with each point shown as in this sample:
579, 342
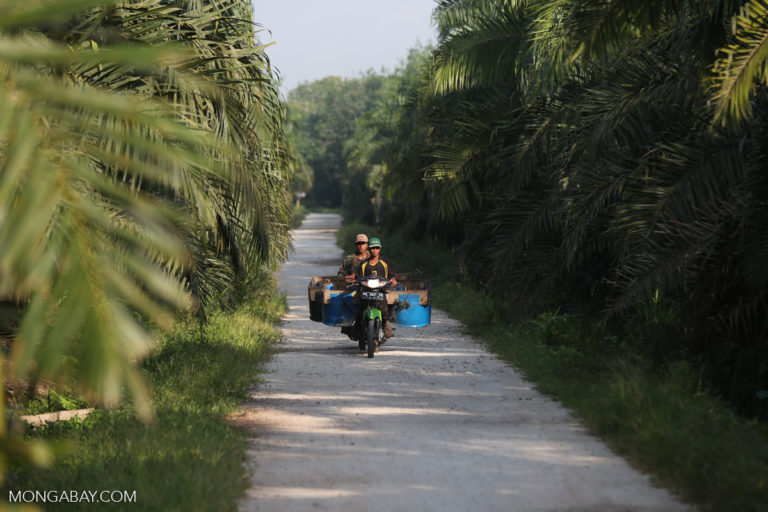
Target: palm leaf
480, 46
107, 150
742, 64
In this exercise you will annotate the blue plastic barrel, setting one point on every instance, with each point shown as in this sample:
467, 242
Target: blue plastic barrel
340, 310
410, 313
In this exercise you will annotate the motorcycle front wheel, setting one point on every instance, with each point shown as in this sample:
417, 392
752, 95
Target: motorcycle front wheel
372, 336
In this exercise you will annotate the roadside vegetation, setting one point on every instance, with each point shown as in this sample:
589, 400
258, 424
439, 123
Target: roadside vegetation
591, 159
188, 458
591, 178
586, 181
298, 216
662, 418
144, 177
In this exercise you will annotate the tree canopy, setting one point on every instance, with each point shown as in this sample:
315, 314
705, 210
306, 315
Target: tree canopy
143, 166
594, 157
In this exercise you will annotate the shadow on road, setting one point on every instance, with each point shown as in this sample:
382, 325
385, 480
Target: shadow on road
433, 422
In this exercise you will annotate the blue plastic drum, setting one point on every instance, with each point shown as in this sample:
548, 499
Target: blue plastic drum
340, 310
410, 313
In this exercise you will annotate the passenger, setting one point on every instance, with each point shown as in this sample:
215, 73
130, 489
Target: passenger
377, 265
350, 263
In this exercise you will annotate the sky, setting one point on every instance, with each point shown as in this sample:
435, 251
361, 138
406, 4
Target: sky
318, 38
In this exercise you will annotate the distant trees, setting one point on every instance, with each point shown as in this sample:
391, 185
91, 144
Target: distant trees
344, 129
142, 166
321, 116
595, 156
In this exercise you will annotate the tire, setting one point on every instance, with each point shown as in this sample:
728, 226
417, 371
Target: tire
372, 336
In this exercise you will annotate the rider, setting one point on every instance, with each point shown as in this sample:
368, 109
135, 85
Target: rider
376, 265
351, 261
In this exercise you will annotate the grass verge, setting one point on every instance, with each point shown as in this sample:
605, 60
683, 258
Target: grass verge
662, 420
189, 458
298, 215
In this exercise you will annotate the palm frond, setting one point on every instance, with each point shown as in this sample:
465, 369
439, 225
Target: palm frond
480, 49
742, 64
147, 129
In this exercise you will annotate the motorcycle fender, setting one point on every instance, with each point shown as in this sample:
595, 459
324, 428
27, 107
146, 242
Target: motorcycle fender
372, 313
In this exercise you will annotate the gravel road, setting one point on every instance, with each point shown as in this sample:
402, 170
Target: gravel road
432, 423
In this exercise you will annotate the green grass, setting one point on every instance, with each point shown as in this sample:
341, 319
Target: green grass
189, 458
55, 400
661, 419
298, 215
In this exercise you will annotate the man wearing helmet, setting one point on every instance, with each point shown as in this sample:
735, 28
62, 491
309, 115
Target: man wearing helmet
376, 265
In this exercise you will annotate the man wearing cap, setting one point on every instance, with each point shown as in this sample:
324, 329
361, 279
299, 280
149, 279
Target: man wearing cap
376, 265
351, 261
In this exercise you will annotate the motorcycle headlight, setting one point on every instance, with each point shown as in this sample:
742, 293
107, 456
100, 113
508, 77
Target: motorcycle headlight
374, 283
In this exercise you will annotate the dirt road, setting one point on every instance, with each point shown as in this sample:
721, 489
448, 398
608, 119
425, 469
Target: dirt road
432, 423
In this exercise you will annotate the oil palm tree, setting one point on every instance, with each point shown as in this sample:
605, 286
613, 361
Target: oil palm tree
579, 150
142, 162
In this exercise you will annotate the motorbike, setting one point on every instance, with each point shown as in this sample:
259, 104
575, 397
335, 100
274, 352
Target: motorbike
369, 329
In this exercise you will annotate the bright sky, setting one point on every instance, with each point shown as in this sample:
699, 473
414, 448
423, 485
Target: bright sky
319, 38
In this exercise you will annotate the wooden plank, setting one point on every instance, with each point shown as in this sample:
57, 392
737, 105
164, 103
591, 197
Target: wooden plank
41, 419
